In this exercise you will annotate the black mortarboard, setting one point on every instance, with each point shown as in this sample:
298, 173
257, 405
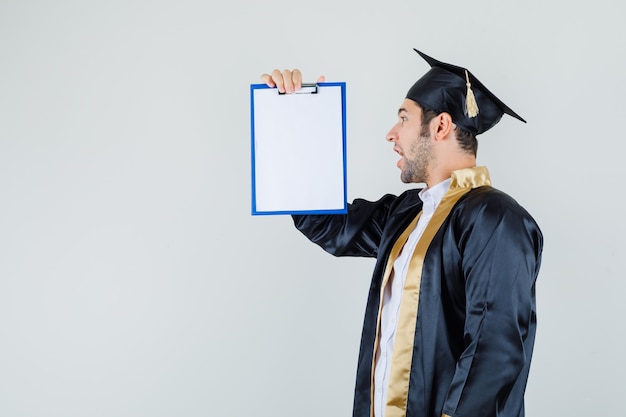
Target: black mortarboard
455, 90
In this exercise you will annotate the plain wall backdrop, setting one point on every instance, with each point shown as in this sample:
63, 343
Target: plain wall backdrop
135, 282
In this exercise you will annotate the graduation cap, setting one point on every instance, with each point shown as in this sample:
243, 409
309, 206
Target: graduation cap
455, 90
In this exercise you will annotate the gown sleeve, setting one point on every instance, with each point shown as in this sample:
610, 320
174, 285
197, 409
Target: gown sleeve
501, 253
356, 233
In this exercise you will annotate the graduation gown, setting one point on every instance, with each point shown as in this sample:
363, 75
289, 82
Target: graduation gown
467, 320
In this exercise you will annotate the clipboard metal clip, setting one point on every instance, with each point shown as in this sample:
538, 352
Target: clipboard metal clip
306, 89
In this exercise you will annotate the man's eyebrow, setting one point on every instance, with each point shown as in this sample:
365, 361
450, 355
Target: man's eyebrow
402, 109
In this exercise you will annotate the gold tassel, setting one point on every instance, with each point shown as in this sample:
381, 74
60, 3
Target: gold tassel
471, 106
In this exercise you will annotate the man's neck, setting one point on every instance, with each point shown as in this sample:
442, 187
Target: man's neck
444, 171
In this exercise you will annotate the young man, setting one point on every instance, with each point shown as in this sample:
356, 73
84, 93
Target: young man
450, 321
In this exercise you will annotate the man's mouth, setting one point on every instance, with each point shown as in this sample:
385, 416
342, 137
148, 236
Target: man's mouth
399, 152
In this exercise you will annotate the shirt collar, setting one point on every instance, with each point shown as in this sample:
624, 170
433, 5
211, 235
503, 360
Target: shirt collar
431, 196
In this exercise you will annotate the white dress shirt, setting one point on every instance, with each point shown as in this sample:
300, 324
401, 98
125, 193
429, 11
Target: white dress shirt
393, 296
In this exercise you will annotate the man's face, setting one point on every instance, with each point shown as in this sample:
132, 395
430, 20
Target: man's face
412, 142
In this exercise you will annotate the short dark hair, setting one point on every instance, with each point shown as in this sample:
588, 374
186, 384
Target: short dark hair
467, 141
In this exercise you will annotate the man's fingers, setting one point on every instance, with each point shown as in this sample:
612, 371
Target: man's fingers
296, 76
287, 81
267, 80
277, 77
292, 80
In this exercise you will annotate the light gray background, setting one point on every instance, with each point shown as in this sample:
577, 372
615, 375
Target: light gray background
135, 282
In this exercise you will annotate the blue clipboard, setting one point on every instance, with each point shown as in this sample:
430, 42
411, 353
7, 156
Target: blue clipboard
299, 150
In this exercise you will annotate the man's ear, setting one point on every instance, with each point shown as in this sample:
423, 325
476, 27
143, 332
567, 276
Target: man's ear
444, 126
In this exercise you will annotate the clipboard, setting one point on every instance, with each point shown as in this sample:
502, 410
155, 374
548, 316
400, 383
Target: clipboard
299, 149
